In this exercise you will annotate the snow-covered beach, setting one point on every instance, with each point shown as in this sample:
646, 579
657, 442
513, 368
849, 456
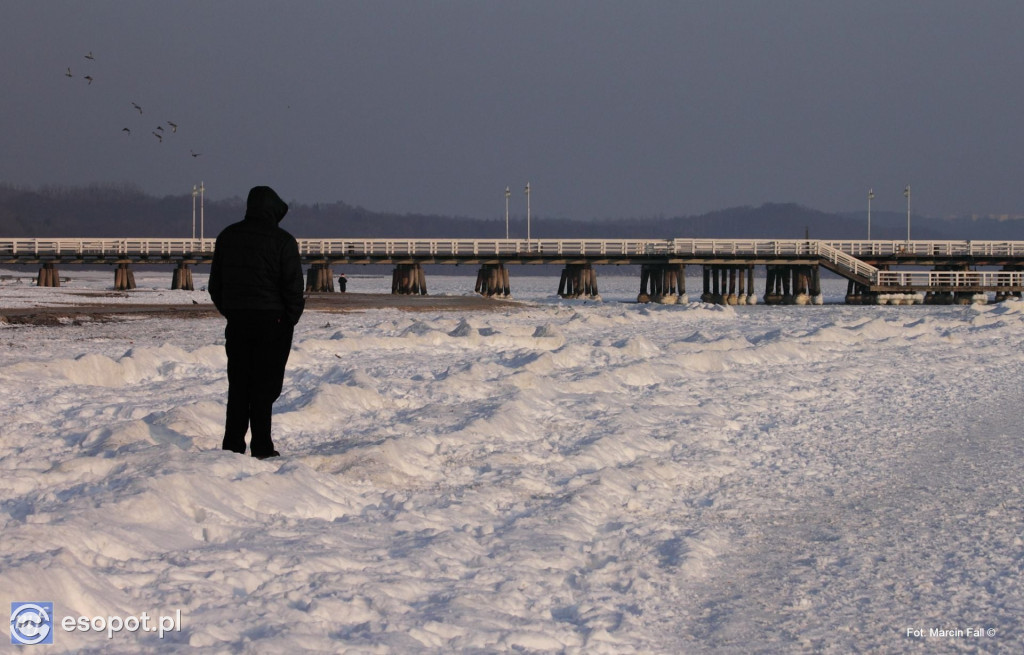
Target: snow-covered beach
560, 477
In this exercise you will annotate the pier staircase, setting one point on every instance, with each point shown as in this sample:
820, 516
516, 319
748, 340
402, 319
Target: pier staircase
846, 265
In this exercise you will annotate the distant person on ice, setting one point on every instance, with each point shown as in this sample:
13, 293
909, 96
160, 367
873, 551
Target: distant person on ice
256, 283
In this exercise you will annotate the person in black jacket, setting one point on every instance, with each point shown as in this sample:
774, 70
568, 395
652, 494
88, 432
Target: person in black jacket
256, 284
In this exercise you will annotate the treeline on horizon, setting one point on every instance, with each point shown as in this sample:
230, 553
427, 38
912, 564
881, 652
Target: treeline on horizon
123, 210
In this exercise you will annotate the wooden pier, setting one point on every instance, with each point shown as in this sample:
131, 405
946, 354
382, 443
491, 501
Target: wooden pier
899, 272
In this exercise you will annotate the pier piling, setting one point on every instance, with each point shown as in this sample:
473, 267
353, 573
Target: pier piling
728, 284
319, 277
794, 285
408, 279
578, 280
182, 278
124, 278
661, 283
493, 280
48, 276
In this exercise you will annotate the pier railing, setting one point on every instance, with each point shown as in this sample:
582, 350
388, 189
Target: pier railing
841, 253
482, 247
105, 248
950, 279
930, 248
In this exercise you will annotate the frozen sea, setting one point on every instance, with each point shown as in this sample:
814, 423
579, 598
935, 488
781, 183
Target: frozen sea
565, 476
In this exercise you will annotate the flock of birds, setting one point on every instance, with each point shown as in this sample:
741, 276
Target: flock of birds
159, 132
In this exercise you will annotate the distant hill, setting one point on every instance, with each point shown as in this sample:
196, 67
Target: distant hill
125, 211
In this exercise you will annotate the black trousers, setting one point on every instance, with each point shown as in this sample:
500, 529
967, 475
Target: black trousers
257, 351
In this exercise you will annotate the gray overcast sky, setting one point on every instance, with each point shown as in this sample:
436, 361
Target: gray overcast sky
608, 109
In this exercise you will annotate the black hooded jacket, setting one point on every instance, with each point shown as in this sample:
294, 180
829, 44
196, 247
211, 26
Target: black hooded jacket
256, 269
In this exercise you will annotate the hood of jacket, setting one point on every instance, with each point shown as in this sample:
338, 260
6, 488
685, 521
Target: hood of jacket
265, 206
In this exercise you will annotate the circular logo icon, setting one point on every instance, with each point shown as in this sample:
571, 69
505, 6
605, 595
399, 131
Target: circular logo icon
31, 623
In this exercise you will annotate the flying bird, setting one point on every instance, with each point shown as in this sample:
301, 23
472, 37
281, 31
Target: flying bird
137, 107
89, 56
159, 136
89, 77
68, 74
174, 126
125, 129
160, 128
194, 153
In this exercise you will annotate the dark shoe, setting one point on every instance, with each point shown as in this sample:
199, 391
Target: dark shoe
272, 453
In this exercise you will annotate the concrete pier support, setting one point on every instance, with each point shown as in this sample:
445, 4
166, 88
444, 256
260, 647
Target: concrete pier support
793, 285
715, 293
645, 284
493, 280
859, 294
408, 279
124, 277
777, 286
49, 276
729, 284
663, 283
712, 292
806, 285
938, 298
578, 280
319, 277
182, 278
970, 298
675, 283
712, 289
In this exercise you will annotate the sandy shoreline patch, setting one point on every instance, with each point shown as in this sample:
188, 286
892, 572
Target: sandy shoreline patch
325, 302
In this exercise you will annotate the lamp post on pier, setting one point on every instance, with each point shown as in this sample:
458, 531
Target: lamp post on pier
871, 196
202, 214
528, 244
508, 194
194, 194
906, 192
